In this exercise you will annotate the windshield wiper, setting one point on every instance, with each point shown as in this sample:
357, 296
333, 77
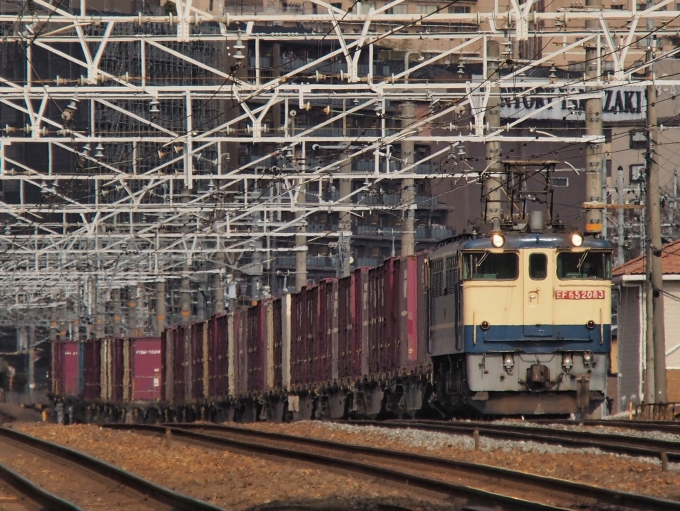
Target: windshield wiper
481, 260
581, 261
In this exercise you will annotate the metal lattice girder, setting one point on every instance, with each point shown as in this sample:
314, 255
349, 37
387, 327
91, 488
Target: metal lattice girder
99, 156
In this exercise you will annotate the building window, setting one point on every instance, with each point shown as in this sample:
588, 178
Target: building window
576, 66
426, 9
617, 7
559, 182
398, 9
638, 140
635, 171
459, 9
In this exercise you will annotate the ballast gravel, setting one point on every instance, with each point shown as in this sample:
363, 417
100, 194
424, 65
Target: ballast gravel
585, 465
226, 479
605, 430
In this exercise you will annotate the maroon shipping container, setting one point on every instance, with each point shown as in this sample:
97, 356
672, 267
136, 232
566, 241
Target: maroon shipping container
66, 368
349, 351
218, 356
92, 366
277, 340
304, 351
178, 363
384, 318
327, 334
422, 314
197, 348
255, 344
361, 319
115, 371
239, 326
146, 364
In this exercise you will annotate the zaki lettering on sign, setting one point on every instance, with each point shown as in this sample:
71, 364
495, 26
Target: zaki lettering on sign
618, 104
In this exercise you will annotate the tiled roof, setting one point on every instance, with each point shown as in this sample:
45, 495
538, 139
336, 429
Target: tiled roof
670, 262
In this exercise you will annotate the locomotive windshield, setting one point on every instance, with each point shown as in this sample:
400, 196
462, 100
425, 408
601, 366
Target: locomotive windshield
489, 266
584, 265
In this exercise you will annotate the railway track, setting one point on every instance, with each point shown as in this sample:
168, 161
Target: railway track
86, 482
19, 494
466, 483
619, 444
663, 426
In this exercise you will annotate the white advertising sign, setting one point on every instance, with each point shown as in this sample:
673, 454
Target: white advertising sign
618, 104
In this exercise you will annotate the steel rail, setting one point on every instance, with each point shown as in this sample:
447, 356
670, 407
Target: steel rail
619, 444
638, 425
40, 498
122, 477
570, 494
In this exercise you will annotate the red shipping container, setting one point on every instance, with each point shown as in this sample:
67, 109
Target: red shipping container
146, 364
66, 368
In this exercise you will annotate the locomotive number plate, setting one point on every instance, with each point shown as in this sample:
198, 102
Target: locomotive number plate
579, 295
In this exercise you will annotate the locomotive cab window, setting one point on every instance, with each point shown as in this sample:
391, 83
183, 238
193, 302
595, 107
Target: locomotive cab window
490, 266
584, 265
538, 266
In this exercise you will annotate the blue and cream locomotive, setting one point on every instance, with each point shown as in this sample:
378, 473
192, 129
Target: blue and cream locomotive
520, 321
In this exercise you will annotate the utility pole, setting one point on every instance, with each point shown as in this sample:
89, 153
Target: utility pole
593, 128
54, 325
132, 311
115, 298
620, 232
99, 329
654, 250
160, 307
408, 243
218, 285
185, 286
300, 237
345, 222
493, 184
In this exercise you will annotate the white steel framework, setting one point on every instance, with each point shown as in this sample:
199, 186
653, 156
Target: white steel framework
129, 170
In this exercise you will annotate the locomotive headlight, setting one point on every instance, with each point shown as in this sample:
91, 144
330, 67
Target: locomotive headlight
576, 240
497, 240
484, 325
508, 362
567, 362
590, 324
587, 358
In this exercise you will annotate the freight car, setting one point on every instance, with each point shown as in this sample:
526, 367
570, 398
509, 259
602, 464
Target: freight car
349, 346
98, 374
494, 322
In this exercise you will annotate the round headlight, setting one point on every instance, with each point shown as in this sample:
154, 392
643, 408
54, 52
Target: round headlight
590, 324
576, 240
497, 240
484, 325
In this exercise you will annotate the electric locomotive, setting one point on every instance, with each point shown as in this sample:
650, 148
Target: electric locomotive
520, 320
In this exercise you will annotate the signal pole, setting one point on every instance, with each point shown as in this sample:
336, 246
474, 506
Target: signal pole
594, 222
493, 185
654, 245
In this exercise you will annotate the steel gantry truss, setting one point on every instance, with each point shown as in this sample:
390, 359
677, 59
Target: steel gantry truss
170, 147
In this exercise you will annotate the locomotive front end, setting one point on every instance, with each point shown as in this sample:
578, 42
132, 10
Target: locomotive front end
533, 334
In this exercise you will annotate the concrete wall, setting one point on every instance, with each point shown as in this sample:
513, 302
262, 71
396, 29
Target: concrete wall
629, 347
